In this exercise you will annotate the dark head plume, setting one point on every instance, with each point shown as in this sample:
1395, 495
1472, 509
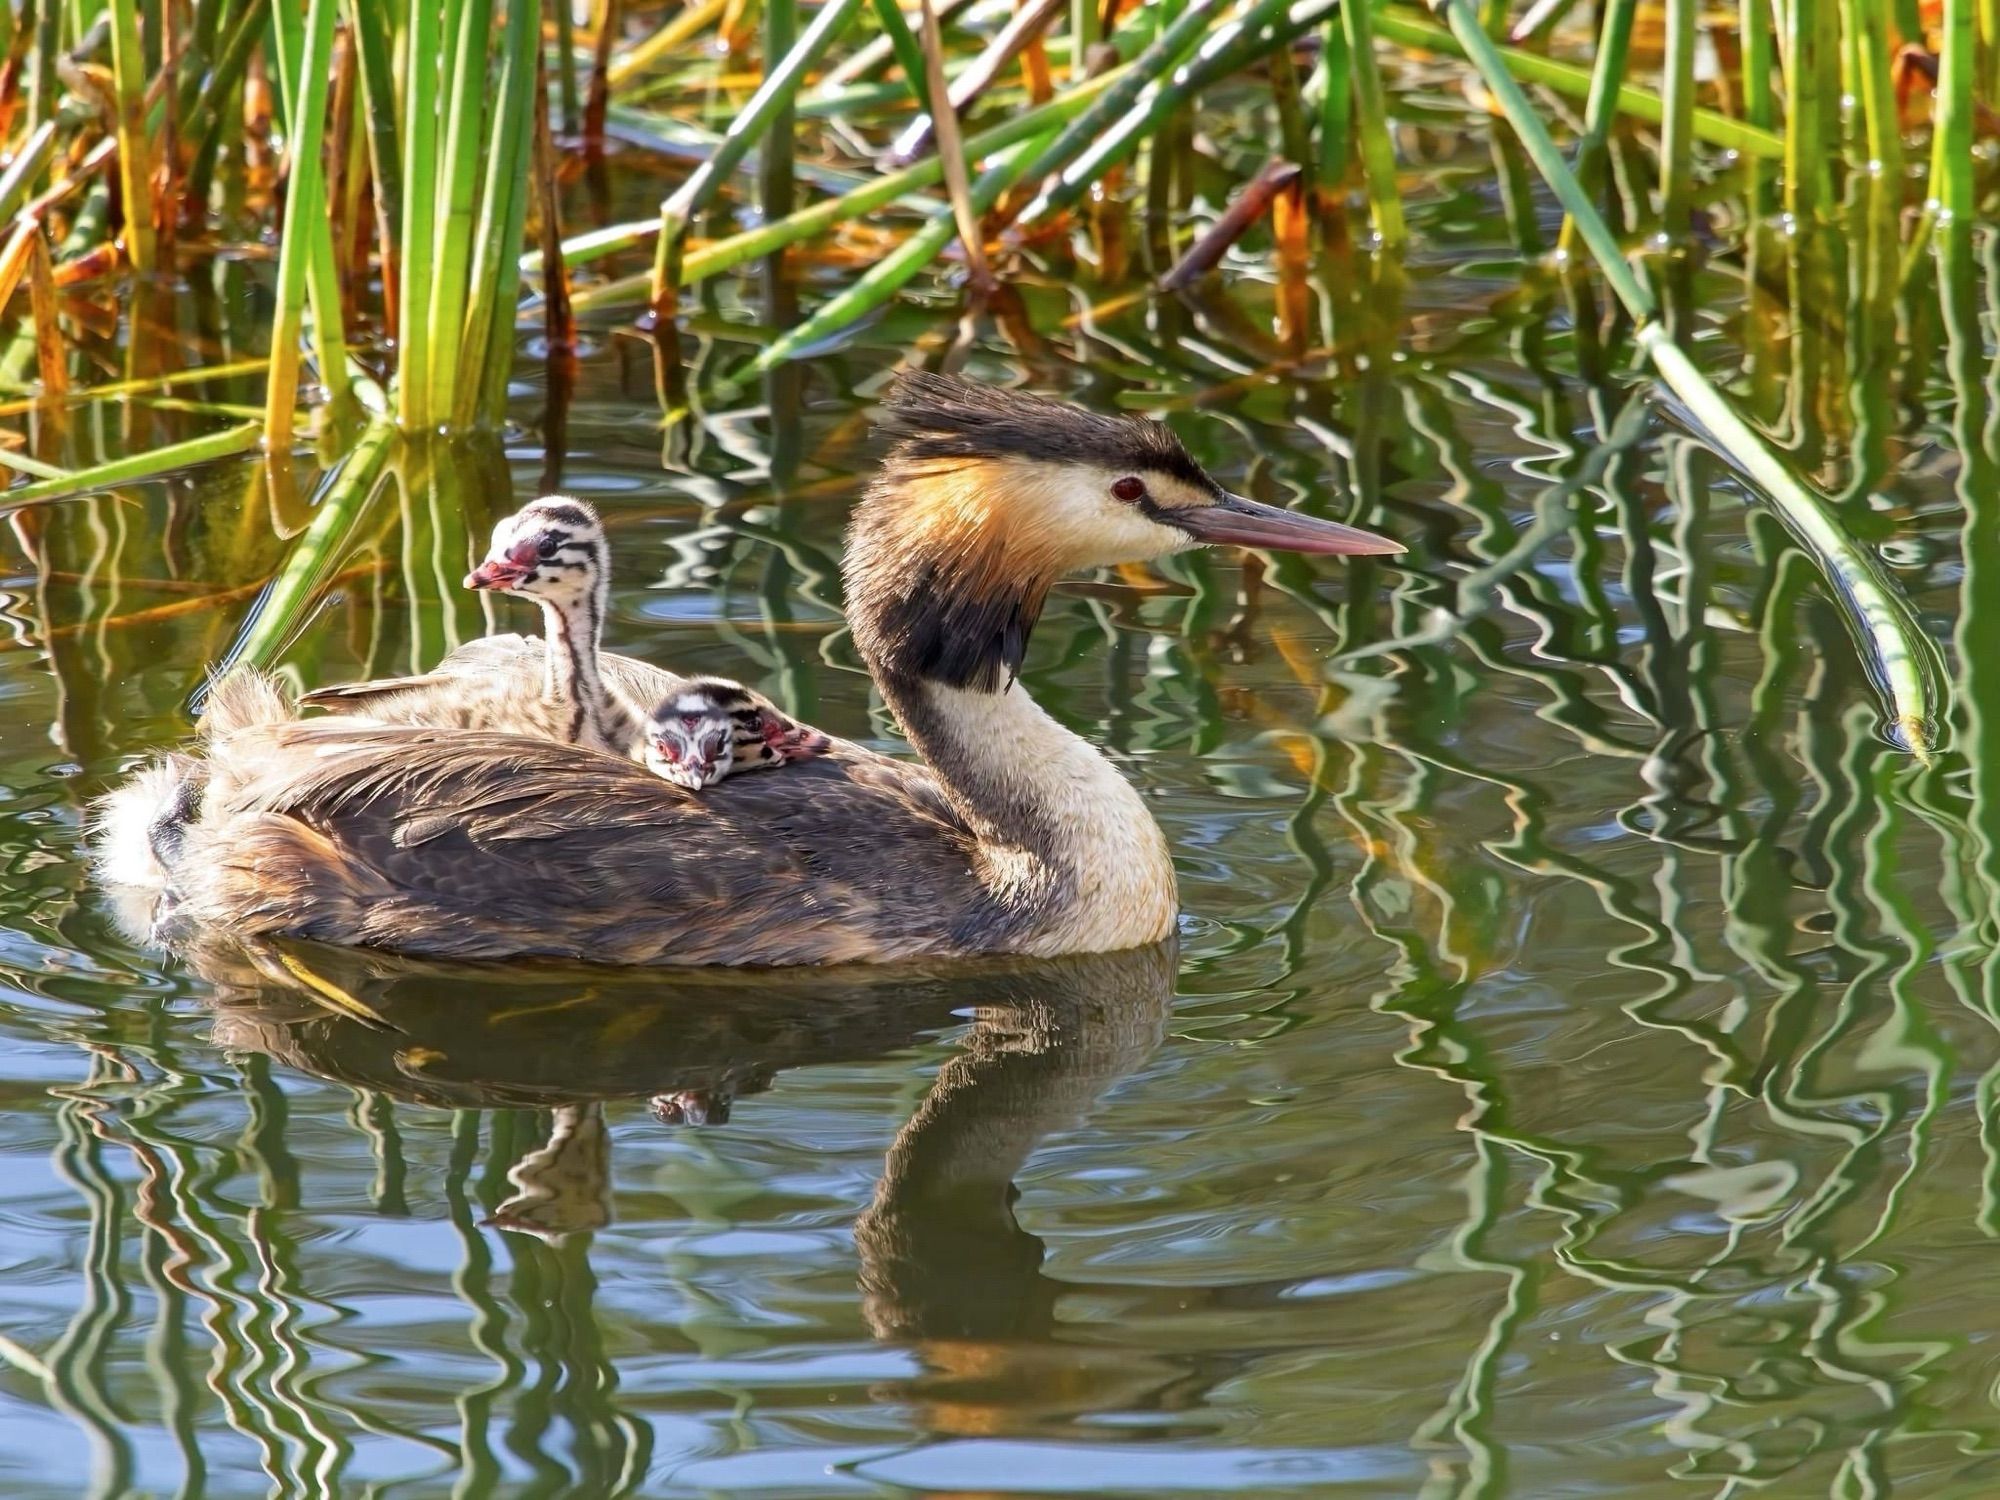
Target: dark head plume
941, 417
946, 577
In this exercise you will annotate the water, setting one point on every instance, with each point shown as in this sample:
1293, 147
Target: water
1575, 1074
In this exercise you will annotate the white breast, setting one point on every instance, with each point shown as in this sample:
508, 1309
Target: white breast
1101, 842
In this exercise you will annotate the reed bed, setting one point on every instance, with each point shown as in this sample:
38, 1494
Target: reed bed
406, 165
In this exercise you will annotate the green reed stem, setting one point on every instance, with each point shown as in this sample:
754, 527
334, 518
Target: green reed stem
1804, 146
45, 88
34, 468
1291, 112
752, 244
488, 336
167, 382
371, 24
313, 555
135, 177
572, 99
1989, 43
1867, 23
87, 229
1977, 625
1107, 132
322, 278
669, 41
1336, 105
204, 125
781, 81
26, 168
329, 340
1753, 29
458, 198
1398, 26
776, 180
197, 54
1614, 40
1837, 86
420, 161
154, 461
909, 55
305, 235
1677, 138
879, 192
888, 275
1371, 124
1899, 655
1083, 31
1951, 135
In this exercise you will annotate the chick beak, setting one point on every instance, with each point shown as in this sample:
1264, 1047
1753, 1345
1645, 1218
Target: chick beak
1235, 520
802, 744
669, 762
494, 573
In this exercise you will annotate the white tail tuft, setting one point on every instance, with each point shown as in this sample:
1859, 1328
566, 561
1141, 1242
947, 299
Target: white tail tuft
243, 698
123, 823
136, 829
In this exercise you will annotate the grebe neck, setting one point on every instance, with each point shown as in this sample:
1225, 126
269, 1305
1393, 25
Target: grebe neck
1067, 850
573, 628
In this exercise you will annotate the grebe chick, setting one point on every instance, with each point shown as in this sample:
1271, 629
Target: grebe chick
552, 551
712, 727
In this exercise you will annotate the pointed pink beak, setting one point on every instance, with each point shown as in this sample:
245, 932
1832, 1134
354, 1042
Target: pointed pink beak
493, 574
1234, 520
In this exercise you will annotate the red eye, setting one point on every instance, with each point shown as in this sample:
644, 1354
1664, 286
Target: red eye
1130, 488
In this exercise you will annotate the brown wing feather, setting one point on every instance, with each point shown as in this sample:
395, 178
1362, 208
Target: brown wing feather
354, 697
494, 683
488, 654
493, 656
491, 845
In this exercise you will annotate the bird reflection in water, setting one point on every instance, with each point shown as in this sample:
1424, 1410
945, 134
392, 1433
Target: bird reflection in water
945, 1267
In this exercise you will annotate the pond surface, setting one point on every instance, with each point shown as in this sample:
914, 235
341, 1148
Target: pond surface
1575, 1075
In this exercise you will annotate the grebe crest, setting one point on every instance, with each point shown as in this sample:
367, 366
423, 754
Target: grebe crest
711, 728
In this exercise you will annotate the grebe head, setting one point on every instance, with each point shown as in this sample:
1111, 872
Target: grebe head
989, 495
711, 728
552, 549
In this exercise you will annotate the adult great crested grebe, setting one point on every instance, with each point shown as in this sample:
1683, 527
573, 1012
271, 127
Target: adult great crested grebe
554, 551
1015, 836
